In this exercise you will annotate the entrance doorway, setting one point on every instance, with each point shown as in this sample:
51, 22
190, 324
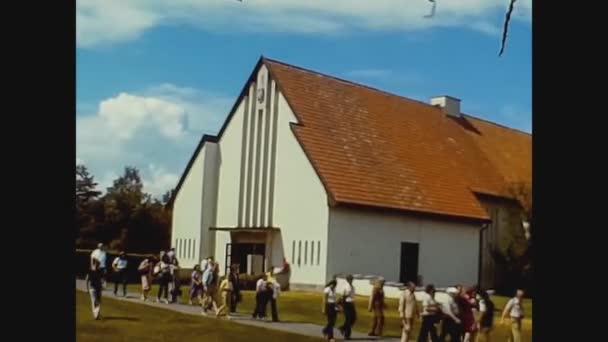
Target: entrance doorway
250, 257
409, 262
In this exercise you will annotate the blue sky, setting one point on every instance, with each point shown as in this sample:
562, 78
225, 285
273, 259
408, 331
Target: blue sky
153, 76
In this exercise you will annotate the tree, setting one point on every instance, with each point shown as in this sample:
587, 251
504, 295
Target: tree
85, 185
522, 192
125, 218
86, 198
121, 201
516, 258
167, 196
149, 228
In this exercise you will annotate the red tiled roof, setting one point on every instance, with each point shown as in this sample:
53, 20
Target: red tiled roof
378, 149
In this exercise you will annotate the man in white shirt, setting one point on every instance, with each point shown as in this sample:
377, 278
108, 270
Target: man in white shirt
350, 314
100, 255
260, 298
171, 253
273, 296
451, 322
119, 266
429, 314
515, 310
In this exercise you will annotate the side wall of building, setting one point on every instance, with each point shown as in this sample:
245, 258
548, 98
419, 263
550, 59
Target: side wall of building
369, 243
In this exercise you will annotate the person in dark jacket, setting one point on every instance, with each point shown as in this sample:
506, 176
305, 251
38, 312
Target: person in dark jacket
486, 322
377, 305
236, 293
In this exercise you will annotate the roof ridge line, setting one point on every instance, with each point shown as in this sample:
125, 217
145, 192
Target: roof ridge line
347, 81
384, 91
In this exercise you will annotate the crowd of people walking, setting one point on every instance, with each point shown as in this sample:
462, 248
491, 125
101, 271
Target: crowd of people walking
205, 285
466, 316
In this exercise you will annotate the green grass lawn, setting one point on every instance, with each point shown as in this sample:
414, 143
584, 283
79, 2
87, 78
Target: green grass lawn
129, 322
296, 306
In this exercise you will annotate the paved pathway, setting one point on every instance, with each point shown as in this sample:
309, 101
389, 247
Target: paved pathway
307, 329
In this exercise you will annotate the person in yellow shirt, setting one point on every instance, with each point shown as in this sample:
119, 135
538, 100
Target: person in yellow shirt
225, 289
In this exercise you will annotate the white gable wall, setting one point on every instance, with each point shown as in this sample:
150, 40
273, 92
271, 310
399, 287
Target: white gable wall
209, 205
229, 163
301, 209
265, 180
368, 242
187, 220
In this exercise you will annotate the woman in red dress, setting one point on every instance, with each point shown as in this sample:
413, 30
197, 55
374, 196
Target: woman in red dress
469, 322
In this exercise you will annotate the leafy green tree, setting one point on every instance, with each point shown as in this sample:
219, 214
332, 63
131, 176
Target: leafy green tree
87, 197
125, 217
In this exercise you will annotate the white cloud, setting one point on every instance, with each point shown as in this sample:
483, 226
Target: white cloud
127, 113
107, 21
102, 22
160, 125
159, 181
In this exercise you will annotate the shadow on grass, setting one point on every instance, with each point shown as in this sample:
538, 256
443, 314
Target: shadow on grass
115, 318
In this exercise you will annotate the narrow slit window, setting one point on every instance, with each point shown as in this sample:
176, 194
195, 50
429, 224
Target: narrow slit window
318, 252
305, 251
299, 252
312, 252
293, 252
